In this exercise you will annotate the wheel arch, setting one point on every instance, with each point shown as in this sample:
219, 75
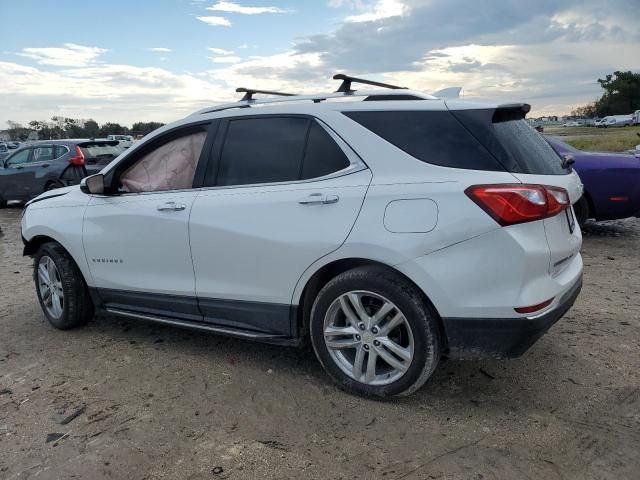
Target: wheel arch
327, 272
32, 245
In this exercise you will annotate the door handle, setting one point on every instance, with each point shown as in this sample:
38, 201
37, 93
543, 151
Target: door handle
171, 207
319, 199
44, 165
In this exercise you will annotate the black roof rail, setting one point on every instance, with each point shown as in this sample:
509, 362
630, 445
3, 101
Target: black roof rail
345, 87
248, 93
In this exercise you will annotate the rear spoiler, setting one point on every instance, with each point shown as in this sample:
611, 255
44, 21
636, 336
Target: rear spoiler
510, 111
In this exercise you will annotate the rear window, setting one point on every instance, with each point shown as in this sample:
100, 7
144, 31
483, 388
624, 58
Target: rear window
510, 138
98, 150
434, 137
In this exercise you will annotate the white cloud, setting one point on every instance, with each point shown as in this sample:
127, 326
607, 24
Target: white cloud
159, 49
220, 51
381, 9
232, 7
226, 59
71, 55
122, 93
215, 21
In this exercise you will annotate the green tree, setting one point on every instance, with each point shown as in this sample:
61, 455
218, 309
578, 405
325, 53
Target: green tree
17, 131
144, 128
110, 128
91, 129
621, 94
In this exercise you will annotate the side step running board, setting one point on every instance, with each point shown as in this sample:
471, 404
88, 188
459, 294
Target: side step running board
230, 332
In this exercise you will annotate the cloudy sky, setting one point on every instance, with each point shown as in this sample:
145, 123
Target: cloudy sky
159, 60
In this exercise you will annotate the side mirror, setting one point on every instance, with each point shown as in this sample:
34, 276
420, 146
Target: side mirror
93, 184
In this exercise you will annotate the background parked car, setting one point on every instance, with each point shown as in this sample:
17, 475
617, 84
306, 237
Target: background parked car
4, 151
125, 140
45, 165
611, 182
616, 121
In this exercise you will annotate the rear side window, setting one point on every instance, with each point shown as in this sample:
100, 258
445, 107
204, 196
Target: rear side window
510, 138
276, 149
60, 150
434, 137
323, 156
262, 150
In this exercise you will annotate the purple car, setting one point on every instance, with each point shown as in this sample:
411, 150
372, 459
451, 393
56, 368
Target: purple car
611, 182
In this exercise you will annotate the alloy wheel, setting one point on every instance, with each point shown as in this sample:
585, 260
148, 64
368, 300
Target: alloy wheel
368, 337
50, 287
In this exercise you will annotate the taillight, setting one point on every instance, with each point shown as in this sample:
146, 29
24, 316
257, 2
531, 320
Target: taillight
509, 204
78, 159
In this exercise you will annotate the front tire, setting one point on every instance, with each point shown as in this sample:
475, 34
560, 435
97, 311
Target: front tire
374, 334
61, 290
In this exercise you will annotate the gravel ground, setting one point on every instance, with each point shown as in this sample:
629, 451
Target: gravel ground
125, 400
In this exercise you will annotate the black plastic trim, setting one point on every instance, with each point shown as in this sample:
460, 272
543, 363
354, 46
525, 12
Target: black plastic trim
260, 317
503, 337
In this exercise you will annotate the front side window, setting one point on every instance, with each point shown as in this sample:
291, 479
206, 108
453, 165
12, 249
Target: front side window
276, 149
169, 166
43, 154
19, 157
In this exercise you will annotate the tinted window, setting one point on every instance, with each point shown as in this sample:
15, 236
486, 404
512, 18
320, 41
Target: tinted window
262, 150
434, 137
509, 137
323, 156
19, 157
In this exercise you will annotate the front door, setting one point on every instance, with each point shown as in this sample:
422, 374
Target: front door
137, 242
14, 176
283, 194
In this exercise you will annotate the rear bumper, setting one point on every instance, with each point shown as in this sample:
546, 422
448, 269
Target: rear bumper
503, 337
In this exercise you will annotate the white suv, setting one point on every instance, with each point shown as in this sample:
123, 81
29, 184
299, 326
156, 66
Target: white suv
388, 226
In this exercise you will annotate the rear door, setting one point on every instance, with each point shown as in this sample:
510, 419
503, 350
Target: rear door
39, 169
280, 192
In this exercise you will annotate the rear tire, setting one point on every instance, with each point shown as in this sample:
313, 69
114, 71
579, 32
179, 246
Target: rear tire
581, 209
61, 290
3, 203
403, 343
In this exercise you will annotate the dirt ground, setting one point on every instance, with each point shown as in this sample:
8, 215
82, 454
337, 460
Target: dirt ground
119, 399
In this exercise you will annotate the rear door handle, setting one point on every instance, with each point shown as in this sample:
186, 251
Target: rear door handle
171, 207
319, 199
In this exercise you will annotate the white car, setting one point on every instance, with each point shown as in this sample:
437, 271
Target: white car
125, 140
390, 228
